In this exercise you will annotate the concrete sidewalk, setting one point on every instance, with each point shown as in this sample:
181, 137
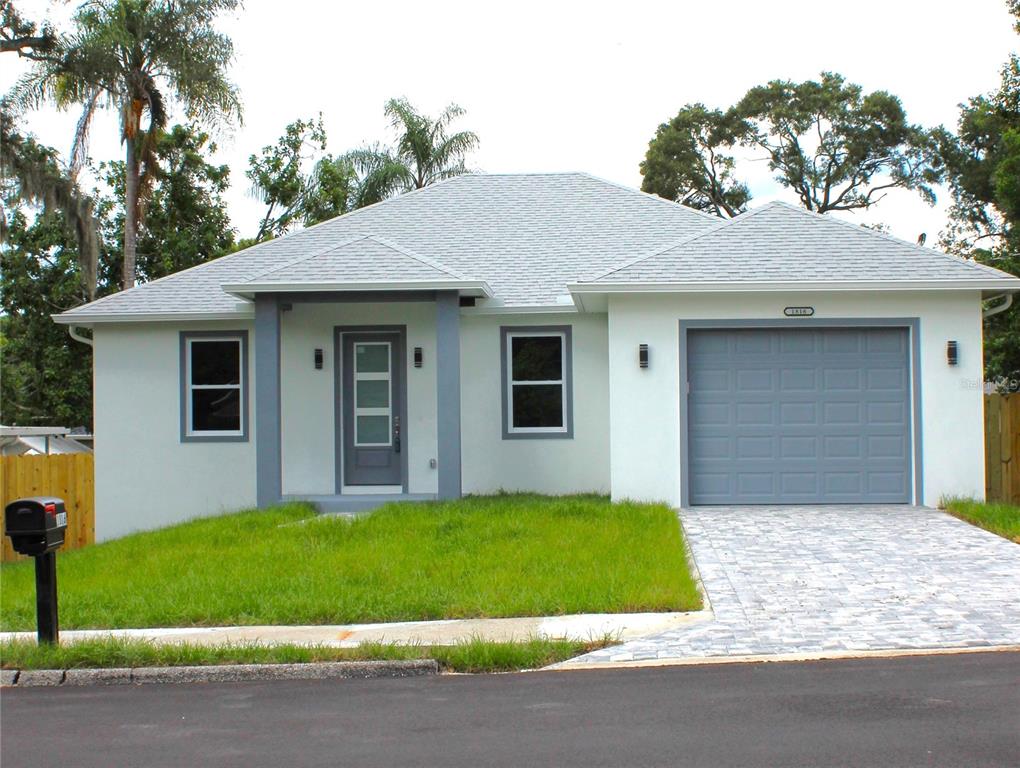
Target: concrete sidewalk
588, 626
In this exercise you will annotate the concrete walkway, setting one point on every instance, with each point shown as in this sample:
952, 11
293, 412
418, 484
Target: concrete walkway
582, 627
837, 580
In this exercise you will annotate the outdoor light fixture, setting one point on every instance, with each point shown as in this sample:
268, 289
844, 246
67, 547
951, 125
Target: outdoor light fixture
642, 355
952, 352
419, 356
318, 359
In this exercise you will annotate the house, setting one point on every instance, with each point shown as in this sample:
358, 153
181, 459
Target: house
544, 332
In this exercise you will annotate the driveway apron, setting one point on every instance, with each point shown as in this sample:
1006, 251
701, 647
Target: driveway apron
813, 580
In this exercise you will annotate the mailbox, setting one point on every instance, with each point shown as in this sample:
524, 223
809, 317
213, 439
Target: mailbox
36, 525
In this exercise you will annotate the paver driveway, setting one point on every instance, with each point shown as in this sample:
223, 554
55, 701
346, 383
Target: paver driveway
787, 580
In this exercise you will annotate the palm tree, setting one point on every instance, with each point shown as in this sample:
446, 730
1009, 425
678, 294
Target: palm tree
129, 55
425, 153
33, 174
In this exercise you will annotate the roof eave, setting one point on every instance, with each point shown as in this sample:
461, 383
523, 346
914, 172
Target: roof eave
85, 320
475, 288
988, 287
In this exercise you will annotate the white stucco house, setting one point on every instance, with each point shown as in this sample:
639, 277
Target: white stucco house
544, 332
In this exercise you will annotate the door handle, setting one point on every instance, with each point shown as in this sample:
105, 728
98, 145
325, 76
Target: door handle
396, 434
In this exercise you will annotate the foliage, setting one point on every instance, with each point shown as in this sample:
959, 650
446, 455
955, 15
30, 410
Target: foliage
983, 160
425, 152
685, 163
476, 557
26, 38
186, 222
277, 178
473, 655
134, 56
838, 148
31, 173
1001, 519
46, 377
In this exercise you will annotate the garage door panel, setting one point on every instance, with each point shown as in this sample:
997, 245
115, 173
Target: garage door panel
799, 416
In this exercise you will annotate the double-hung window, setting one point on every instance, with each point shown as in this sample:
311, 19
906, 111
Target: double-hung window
214, 386
537, 391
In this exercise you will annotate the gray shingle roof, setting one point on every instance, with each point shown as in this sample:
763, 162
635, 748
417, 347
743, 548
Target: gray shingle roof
362, 258
779, 243
526, 235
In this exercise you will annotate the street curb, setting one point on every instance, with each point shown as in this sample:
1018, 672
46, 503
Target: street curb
224, 673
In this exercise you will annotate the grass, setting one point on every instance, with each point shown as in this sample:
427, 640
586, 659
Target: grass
470, 656
1003, 519
510, 555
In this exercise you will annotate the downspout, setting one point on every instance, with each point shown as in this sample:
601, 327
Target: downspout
72, 330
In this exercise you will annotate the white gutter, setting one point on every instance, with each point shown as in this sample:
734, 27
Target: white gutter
999, 307
81, 319
72, 331
467, 287
825, 286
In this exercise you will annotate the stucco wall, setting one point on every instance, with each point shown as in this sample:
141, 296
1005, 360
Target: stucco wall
646, 454
145, 476
543, 465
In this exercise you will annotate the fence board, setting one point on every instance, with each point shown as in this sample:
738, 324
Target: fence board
67, 476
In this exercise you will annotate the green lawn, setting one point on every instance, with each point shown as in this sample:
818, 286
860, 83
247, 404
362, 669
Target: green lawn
1003, 519
472, 656
512, 555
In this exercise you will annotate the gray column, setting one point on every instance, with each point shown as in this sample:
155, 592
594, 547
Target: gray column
448, 392
268, 461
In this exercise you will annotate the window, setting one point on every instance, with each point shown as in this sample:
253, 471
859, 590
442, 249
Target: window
213, 386
372, 394
537, 396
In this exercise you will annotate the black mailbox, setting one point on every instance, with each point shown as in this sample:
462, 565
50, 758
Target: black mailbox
36, 525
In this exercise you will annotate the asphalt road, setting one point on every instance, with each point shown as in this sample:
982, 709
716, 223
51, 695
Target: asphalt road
959, 710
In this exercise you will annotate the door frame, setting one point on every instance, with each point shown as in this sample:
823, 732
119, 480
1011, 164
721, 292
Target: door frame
338, 411
912, 326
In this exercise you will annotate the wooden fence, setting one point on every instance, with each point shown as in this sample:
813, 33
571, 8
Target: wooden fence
67, 476
1002, 448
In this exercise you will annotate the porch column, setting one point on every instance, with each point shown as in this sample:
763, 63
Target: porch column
268, 464
448, 393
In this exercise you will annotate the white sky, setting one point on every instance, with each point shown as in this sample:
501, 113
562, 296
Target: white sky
558, 86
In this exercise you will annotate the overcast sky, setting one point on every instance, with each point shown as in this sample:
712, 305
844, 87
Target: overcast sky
557, 86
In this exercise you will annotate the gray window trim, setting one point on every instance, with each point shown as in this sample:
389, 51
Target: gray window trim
185, 337
568, 376
913, 326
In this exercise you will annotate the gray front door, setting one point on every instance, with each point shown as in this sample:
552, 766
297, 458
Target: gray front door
798, 416
372, 399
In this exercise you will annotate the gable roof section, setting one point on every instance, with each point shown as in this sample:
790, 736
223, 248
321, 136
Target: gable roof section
360, 262
525, 235
782, 245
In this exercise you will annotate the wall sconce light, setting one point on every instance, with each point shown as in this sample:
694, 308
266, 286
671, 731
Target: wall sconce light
952, 352
419, 356
318, 359
642, 355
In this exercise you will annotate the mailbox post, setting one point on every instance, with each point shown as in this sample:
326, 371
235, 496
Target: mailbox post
36, 527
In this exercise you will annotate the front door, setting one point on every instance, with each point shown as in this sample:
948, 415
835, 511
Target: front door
372, 396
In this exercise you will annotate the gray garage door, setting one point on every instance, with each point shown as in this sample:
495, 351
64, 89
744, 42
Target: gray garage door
799, 416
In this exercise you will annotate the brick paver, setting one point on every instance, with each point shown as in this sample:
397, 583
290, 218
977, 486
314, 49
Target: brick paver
808, 580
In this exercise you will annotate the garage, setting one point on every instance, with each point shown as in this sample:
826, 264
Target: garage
798, 415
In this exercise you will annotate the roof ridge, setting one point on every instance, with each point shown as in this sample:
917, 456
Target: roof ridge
641, 192
723, 224
416, 256
898, 240
306, 257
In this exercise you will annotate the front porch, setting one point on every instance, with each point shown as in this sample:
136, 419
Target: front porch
304, 415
